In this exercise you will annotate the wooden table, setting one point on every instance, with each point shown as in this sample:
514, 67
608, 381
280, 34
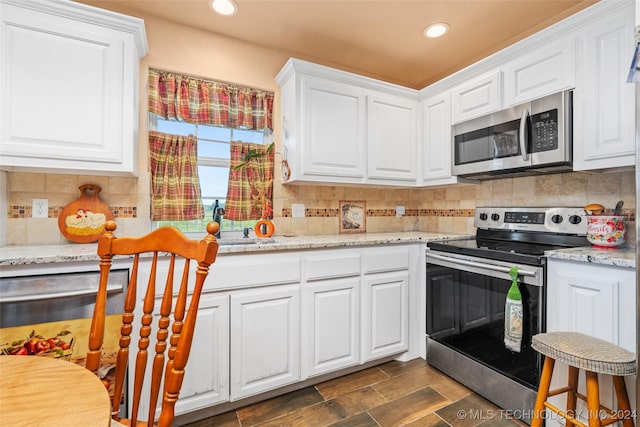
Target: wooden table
38, 390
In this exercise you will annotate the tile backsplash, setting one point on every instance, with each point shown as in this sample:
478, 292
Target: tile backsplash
442, 209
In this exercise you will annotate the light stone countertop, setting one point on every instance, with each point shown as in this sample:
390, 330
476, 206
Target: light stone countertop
624, 256
22, 255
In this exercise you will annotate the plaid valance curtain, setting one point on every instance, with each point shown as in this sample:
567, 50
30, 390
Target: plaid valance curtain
175, 186
250, 188
175, 96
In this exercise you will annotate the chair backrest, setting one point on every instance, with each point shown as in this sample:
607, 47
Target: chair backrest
169, 358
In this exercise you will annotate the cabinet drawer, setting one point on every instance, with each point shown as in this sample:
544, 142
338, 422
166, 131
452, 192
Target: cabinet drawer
332, 266
245, 272
387, 260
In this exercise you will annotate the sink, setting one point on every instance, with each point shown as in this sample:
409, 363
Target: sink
235, 241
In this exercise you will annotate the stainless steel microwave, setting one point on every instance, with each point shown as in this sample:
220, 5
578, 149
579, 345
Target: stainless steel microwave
532, 138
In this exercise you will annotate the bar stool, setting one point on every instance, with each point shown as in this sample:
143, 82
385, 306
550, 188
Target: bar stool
594, 356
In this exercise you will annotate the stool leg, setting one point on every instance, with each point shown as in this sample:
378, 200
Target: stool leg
623, 400
571, 394
543, 392
593, 399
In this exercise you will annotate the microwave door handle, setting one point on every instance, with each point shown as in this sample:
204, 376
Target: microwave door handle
524, 135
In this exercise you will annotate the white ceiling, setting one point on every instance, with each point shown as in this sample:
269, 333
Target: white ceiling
378, 38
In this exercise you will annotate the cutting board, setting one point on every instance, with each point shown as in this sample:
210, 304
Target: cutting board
82, 221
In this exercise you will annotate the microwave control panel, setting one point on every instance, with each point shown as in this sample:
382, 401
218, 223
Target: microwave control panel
544, 131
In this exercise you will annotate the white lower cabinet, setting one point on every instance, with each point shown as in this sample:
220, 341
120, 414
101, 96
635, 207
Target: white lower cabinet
265, 339
274, 319
331, 325
597, 300
206, 380
385, 315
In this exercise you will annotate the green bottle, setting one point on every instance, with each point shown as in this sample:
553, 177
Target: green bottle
513, 318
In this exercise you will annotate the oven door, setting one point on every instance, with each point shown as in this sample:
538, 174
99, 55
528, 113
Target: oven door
465, 319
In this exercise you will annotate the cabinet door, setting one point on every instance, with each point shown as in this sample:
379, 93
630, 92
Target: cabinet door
206, 381
84, 78
595, 300
436, 117
604, 101
265, 339
540, 72
385, 314
592, 300
333, 129
392, 124
476, 97
331, 325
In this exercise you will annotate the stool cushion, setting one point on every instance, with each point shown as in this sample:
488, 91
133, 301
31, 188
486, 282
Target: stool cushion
585, 352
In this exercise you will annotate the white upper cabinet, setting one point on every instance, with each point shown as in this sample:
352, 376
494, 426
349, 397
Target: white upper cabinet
476, 97
436, 135
333, 118
392, 127
604, 102
342, 128
543, 71
69, 88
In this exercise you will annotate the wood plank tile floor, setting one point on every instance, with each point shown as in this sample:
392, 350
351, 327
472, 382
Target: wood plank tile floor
393, 394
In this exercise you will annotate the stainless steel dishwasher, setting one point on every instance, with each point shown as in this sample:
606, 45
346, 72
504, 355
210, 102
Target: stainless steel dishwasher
49, 316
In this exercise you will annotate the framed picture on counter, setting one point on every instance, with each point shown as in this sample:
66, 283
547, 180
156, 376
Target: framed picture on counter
353, 216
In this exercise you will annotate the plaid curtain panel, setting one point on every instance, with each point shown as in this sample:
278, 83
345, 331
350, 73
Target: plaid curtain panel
243, 202
179, 97
175, 186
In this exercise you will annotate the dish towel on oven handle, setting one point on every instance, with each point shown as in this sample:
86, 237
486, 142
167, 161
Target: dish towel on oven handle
513, 320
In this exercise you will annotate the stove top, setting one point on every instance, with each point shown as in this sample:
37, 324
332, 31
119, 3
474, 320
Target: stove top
520, 234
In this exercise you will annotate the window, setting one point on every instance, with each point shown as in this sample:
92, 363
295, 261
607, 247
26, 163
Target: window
213, 167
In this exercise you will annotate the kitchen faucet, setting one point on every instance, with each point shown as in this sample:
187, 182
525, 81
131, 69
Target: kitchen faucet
218, 211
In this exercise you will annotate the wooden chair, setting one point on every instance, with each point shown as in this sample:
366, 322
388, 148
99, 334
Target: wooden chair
168, 360
593, 356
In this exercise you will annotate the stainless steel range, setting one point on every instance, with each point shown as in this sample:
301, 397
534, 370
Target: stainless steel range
467, 285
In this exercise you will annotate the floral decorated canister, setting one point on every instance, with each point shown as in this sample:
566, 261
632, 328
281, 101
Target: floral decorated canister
605, 231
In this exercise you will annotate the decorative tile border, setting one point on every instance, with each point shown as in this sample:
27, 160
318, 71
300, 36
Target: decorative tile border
327, 213
454, 213
20, 212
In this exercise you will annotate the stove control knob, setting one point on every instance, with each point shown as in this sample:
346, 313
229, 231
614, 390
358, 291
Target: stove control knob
483, 216
556, 219
575, 219
495, 217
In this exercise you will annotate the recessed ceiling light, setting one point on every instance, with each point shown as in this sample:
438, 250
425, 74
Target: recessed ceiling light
224, 7
436, 30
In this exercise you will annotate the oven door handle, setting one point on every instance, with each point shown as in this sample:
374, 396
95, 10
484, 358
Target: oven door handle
40, 297
492, 267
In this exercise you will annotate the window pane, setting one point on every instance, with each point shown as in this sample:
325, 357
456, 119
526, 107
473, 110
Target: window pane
213, 181
213, 149
214, 132
248, 136
176, 128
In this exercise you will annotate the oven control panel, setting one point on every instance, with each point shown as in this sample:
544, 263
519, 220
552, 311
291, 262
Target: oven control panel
566, 220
